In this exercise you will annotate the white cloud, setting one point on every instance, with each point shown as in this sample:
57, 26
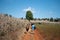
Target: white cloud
29, 8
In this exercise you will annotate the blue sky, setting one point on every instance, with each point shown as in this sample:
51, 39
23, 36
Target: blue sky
39, 8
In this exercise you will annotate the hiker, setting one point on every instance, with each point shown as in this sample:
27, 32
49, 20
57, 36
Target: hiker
33, 26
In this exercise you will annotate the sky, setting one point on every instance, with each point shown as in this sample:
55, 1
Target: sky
39, 8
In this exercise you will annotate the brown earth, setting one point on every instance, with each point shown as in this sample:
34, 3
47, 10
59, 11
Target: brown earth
32, 36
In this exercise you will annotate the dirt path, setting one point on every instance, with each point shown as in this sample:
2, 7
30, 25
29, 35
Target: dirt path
32, 36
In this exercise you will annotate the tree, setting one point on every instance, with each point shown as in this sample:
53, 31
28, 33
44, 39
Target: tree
29, 15
10, 15
22, 18
56, 19
35, 18
51, 19
38, 18
5, 14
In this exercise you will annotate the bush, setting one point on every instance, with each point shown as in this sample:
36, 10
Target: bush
10, 15
57, 20
5, 14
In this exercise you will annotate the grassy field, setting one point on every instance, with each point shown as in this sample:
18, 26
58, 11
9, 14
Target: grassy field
49, 31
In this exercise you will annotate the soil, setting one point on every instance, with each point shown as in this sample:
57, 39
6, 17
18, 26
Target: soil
35, 35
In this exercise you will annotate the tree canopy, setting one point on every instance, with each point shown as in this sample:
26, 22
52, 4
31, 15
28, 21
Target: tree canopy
29, 15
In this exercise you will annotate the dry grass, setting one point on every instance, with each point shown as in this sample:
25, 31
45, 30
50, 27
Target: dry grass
49, 31
11, 28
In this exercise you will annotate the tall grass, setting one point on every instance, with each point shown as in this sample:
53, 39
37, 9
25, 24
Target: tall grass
51, 31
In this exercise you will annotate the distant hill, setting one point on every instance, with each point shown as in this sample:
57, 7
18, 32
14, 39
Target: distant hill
11, 28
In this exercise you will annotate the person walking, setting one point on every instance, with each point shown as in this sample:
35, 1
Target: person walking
33, 27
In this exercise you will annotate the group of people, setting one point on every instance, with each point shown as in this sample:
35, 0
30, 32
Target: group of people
30, 27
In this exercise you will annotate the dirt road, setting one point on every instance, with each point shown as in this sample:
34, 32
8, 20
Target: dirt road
32, 36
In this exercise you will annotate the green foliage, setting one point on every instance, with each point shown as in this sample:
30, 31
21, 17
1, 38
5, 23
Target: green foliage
22, 18
10, 15
51, 19
57, 20
29, 15
38, 18
5, 14
35, 18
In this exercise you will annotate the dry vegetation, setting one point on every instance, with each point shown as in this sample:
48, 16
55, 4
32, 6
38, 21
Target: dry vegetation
49, 31
11, 28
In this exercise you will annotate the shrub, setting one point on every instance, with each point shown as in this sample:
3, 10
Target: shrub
5, 14
10, 15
